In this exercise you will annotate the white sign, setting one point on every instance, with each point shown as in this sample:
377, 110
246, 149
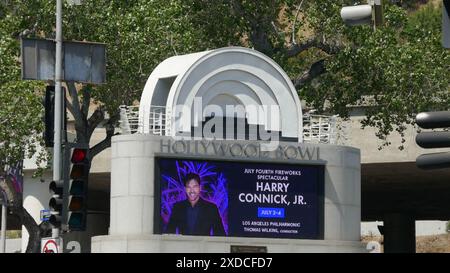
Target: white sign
51, 245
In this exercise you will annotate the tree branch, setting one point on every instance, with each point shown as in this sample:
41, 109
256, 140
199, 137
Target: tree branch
31, 226
76, 110
258, 35
70, 107
296, 49
237, 8
86, 101
95, 119
295, 22
15, 205
105, 143
260, 40
75, 106
316, 69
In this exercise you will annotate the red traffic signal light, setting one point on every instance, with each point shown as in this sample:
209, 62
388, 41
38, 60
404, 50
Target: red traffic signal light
78, 175
79, 155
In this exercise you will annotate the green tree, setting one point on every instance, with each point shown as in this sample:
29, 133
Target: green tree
395, 71
139, 34
20, 121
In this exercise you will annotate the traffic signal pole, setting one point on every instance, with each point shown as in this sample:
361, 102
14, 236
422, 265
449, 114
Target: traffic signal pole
3, 231
58, 101
378, 13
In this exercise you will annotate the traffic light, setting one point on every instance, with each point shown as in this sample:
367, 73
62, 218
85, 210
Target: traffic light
56, 203
77, 177
357, 15
49, 117
363, 14
441, 139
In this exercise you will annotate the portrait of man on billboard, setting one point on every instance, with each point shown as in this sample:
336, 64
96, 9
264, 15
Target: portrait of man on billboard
195, 215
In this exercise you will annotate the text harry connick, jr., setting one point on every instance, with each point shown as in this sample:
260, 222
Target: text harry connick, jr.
271, 192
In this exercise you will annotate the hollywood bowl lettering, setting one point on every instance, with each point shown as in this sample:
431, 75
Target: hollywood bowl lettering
246, 150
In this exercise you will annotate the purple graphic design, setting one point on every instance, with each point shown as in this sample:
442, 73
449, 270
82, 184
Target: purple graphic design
214, 188
14, 173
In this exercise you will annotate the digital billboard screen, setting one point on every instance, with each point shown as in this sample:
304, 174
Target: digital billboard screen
239, 199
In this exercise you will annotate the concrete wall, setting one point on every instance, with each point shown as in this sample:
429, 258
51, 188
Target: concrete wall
13, 245
424, 228
366, 140
143, 243
132, 203
36, 196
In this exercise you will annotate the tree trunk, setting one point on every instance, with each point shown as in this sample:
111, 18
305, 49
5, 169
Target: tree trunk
34, 242
15, 204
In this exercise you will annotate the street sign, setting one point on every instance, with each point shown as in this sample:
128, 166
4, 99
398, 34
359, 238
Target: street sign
38, 59
83, 61
45, 215
51, 245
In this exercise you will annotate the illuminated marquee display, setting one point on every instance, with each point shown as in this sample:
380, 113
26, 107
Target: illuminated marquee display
239, 199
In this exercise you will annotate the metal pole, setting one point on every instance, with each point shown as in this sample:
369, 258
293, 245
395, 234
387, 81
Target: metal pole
378, 9
55, 232
58, 97
3, 233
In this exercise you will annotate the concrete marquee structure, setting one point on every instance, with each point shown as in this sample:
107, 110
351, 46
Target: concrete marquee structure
227, 76
133, 198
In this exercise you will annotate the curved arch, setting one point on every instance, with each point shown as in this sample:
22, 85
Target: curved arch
253, 64
173, 67
249, 76
248, 95
223, 100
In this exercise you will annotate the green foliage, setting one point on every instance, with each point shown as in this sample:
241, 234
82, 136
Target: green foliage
395, 71
140, 34
20, 106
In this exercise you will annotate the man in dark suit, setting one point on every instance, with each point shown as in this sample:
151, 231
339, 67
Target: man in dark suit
195, 216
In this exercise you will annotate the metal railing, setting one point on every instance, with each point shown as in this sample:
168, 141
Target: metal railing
316, 128
130, 124
324, 129
129, 119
